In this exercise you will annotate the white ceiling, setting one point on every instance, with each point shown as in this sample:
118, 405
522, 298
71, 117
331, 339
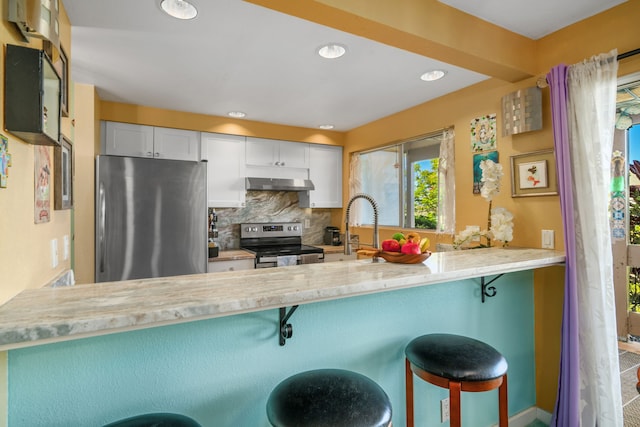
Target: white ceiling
238, 56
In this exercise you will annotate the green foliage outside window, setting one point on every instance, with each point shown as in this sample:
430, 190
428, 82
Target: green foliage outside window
425, 202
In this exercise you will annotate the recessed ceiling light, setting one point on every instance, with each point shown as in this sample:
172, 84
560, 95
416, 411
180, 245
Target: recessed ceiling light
433, 75
180, 9
326, 127
332, 51
236, 114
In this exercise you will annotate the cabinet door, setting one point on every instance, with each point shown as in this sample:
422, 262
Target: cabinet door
225, 155
176, 144
294, 154
124, 139
271, 152
325, 171
262, 152
232, 265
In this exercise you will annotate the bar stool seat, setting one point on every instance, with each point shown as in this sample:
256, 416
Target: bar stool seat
457, 363
156, 420
328, 397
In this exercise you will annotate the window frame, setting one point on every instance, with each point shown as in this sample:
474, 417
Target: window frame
405, 187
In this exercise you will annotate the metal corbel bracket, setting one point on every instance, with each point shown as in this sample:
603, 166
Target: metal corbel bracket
488, 291
286, 330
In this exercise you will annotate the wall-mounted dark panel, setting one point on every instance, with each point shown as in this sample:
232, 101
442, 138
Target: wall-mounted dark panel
32, 96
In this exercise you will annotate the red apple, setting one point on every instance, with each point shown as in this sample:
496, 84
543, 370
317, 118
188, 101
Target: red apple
410, 248
390, 245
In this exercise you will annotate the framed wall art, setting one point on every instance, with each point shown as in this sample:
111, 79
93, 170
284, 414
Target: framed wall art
58, 58
477, 172
42, 188
63, 175
534, 174
5, 161
63, 67
483, 133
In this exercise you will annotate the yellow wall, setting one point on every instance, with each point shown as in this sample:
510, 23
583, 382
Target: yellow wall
175, 119
87, 131
25, 260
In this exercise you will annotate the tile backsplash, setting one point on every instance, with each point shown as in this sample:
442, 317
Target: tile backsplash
270, 206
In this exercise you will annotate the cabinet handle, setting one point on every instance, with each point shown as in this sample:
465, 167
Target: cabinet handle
156, 155
149, 154
281, 163
277, 163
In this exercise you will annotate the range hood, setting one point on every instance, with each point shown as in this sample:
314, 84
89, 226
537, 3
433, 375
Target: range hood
279, 184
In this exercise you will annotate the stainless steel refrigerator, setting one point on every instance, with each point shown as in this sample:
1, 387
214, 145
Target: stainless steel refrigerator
151, 218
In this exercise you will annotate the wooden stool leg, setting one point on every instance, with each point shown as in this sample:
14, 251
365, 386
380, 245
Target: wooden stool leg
503, 404
408, 381
454, 404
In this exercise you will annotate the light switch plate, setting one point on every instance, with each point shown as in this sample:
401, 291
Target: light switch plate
54, 253
65, 247
548, 239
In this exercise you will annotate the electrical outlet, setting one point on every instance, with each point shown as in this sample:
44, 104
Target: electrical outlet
548, 239
307, 223
444, 410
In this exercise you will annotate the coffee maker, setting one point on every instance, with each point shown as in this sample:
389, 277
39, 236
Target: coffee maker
332, 236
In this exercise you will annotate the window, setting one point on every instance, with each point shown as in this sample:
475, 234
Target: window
625, 208
403, 179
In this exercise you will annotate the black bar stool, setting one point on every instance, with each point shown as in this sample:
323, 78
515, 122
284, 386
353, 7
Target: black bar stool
156, 420
457, 363
328, 397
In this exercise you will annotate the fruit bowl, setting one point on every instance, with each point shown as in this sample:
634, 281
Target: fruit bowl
397, 257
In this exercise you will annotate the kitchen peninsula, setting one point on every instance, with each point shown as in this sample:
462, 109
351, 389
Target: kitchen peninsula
207, 345
44, 315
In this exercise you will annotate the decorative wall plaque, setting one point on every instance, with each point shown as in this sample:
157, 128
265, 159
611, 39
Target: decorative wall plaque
522, 111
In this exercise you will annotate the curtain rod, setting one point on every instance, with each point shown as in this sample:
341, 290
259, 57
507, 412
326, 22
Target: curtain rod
542, 81
628, 54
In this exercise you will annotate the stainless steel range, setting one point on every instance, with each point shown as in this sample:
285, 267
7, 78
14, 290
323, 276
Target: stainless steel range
278, 244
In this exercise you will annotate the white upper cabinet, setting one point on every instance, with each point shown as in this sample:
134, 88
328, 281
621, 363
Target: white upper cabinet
125, 139
176, 144
225, 155
274, 153
325, 171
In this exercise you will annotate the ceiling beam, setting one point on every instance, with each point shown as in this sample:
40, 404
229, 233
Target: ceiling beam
425, 27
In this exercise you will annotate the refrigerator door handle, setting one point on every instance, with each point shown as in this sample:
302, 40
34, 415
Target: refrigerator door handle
101, 226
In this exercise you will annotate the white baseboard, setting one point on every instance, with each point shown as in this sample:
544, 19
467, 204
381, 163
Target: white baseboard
528, 416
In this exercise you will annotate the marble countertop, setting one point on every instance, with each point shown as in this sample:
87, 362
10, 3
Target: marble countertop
40, 316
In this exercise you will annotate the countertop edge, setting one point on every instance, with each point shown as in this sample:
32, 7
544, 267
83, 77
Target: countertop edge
41, 316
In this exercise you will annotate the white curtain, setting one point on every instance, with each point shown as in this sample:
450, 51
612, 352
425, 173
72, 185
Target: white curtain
355, 187
592, 104
447, 184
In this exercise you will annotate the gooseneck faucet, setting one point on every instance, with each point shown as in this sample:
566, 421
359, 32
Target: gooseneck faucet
347, 236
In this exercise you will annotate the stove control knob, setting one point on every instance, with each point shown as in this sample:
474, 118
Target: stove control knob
254, 229
295, 228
